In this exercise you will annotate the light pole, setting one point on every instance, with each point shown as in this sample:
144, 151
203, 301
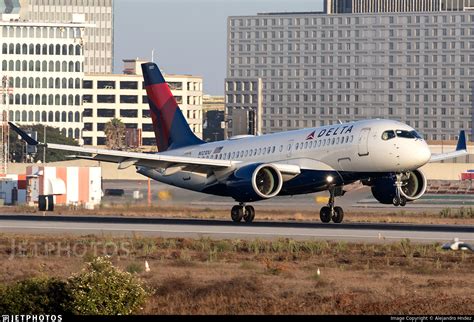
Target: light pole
44, 146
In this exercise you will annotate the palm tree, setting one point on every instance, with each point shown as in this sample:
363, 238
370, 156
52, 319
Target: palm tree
115, 133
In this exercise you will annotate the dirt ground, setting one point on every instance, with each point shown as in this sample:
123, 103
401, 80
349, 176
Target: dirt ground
447, 216
205, 276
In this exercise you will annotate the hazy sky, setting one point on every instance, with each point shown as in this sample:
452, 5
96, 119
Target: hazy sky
189, 36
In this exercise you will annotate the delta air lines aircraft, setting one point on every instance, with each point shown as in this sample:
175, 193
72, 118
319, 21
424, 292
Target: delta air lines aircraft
385, 155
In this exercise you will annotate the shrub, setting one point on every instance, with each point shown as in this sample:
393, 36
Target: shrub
35, 296
134, 268
103, 289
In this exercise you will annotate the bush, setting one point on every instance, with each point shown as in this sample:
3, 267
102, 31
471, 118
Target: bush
103, 289
134, 268
35, 296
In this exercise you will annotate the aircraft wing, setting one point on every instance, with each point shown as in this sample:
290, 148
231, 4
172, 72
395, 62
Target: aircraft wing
126, 159
461, 150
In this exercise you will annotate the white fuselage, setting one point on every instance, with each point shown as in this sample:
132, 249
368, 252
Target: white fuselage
348, 147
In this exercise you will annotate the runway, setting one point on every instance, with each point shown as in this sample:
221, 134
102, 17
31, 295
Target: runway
220, 229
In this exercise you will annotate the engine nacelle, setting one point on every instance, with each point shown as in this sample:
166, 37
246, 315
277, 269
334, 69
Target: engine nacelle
413, 187
255, 182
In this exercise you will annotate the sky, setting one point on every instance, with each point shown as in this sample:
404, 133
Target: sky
188, 36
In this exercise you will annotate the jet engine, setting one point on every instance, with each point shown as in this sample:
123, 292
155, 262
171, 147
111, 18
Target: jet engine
255, 182
413, 187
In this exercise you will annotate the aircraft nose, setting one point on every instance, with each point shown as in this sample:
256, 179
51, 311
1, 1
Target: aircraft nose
422, 154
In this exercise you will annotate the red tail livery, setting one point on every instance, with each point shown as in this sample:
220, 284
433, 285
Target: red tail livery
171, 129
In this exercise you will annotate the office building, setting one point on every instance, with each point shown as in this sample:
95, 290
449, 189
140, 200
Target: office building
317, 69
43, 66
380, 6
122, 96
98, 41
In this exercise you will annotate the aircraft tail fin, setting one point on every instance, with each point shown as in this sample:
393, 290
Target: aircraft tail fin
171, 129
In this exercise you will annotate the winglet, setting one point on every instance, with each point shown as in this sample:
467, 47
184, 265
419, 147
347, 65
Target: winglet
23, 134
461, 141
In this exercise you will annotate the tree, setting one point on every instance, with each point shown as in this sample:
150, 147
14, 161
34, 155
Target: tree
115, 133
53, 135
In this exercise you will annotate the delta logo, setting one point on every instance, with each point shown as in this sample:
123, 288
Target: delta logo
311, 136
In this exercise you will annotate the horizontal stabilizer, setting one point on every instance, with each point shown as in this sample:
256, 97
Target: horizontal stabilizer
23, 134
461, 150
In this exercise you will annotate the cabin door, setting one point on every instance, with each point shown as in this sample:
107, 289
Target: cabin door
364, 142
289, 148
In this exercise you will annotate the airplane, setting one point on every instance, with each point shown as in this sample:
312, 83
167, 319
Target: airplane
383, 154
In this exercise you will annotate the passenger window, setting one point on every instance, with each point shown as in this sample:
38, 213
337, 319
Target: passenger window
281, 148
273, 149
387, 135
233, 155
296, 146
306, 145
333, 140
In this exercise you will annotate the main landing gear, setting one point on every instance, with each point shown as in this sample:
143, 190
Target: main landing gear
242, 212
399, 200
330, 212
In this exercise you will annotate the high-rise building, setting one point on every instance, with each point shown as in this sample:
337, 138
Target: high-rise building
123, 96
98, 41
317, 69
379, 6
43, 63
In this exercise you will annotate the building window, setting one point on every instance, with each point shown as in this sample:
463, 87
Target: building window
87, 112
129, 113
178, 86
105, 98
106, 84
128, 85
87, 84
147, 128
129, 99
105, 112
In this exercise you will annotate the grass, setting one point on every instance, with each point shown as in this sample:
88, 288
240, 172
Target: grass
206, 276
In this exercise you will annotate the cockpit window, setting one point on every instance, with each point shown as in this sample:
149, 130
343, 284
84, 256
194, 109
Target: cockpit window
416, 134
405, 134
387, 135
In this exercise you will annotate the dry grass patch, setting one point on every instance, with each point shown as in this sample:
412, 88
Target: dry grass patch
205, 276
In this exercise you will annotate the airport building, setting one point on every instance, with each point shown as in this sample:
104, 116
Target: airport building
316, 69
42, 72
123, 96
98, 42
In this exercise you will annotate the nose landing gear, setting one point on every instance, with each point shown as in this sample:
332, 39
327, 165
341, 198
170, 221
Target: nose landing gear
399, 200
242, 212
331, 212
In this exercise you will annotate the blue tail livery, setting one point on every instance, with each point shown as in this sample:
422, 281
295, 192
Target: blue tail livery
171, 129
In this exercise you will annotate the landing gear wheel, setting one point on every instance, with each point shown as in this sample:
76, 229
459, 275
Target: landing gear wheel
396, 201
237, 213
338, 215
325, 214
403, 201
249, 213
